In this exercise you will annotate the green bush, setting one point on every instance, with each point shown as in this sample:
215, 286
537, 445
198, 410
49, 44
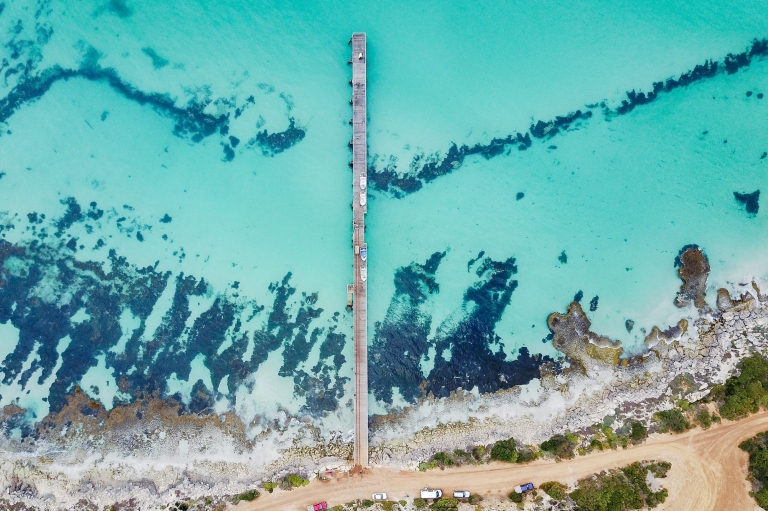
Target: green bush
445, 504
475, 499
479, 452
367, 503
269, 486
525, 455
638, 432
746, 393
672, 420
557, 491
703, 418
516, 497
504, 450
296, 481
625, 488
757, 448
560, 446
248, 496
419, 503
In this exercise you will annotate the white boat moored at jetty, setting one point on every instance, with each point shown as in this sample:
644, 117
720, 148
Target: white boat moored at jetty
363, 253
362, 182
362, 198
363, 273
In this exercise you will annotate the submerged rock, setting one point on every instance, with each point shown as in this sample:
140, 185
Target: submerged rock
583, 347
727, 303
694, 271
750, 201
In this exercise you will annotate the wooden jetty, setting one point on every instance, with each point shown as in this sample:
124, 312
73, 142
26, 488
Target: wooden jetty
359, 208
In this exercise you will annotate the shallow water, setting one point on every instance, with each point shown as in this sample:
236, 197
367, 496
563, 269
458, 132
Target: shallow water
164, 115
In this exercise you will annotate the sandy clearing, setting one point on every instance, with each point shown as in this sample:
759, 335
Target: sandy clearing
708, 473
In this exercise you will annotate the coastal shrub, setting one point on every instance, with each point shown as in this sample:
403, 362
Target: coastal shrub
504, 450
296, 481
442, 458
270, 486
479, 452
746, 393
757, 448
475, 499
420, 503
462, 455
516, 497
557, 491
367, 503
445, 504
703, 418
595, 444
672, 420
526, 454
560, 446
659, 469
247, 496
625, 488
638, 432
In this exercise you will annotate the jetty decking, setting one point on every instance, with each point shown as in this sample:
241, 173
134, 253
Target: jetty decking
359, 207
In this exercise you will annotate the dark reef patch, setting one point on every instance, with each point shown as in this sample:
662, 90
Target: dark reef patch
578, 296
275, 143
563, 258
401, 340
693, 270
750, 201
593, 303
629, 325
425, 168
158, 62
468, 353
191, 120
149, 358
519, 195
474, 260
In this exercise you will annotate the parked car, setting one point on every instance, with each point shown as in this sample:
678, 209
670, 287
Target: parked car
524, 488
379, 496
461, 494
426, 493
317, 507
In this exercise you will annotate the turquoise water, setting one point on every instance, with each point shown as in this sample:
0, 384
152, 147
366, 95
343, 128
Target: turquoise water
618, 195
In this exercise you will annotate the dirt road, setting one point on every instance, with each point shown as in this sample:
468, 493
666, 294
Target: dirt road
708, 473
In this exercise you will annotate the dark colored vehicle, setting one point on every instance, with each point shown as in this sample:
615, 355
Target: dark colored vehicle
524, 488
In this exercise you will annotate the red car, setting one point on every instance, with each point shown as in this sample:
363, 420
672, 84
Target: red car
318, 507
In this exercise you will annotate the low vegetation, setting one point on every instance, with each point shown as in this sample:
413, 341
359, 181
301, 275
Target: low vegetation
615, 490
561, 446
757, 448
247, 496
746, 393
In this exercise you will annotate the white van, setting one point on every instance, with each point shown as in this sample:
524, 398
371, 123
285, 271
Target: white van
461, 494
426, 493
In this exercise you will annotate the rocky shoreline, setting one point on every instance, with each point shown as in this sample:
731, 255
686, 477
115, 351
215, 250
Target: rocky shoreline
147, 455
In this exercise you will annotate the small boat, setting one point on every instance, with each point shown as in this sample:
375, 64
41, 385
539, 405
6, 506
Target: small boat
362, 198
362, 182
363, 253
363, 273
